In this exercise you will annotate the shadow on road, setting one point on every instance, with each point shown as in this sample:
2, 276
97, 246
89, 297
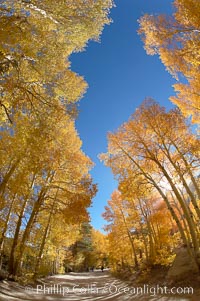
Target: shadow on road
94, 286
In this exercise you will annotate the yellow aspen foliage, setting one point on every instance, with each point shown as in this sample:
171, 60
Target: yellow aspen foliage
176, 39
37, 38
158, 152
45, 185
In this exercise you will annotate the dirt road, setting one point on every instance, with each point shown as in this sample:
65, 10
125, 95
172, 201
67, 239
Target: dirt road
91, 286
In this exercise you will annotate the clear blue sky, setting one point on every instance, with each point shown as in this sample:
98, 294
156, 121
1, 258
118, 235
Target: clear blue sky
120, 75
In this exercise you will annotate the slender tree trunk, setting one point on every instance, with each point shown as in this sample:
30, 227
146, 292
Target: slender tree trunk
175, 217
152, 181
46, 233
141, 227
151, 234
145, 242
27, 230
183, 219
15, 239
188, 217
194, 182
33, 216
130, 239
3, 234
17, 231
185, 185
7, 177
185, 209
39, 257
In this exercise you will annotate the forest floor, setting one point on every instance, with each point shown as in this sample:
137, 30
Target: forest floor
94, 286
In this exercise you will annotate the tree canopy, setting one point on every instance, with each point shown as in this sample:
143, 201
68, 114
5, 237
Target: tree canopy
176, 39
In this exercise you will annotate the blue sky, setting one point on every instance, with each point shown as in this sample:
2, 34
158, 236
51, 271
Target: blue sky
120, 76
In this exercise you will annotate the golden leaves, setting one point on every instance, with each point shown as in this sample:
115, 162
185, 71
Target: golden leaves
43, 169
177, 41
154, 156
